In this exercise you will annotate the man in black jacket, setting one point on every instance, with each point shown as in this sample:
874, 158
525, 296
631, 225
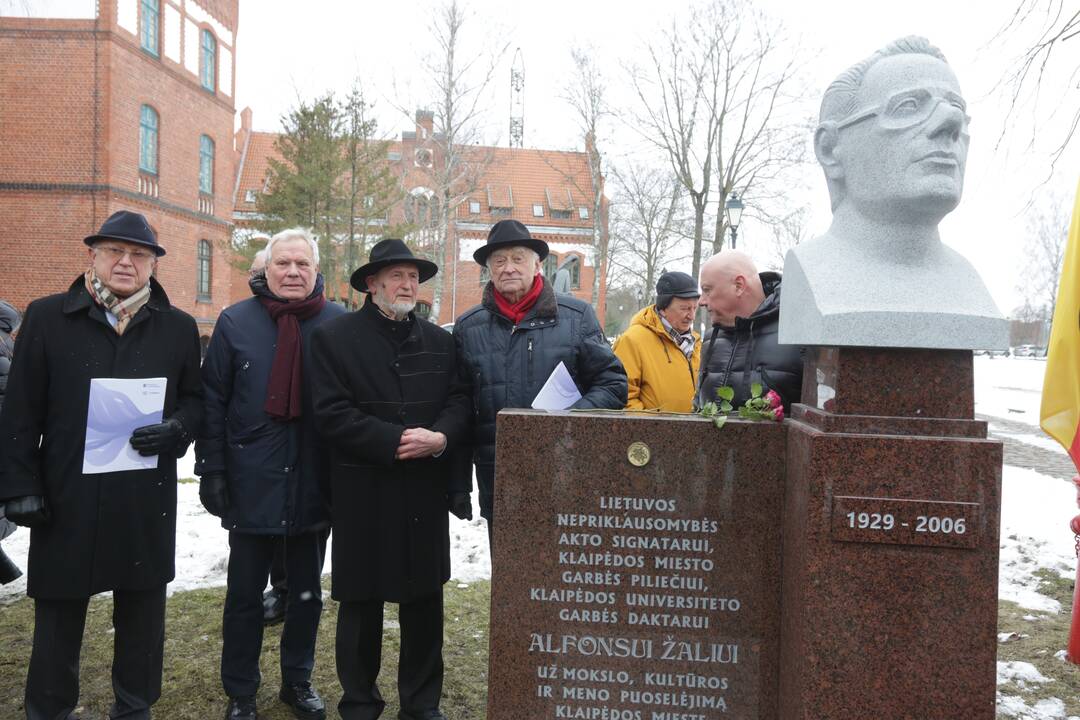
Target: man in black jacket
96, 526
391, 402
263, 468
742, 348
512, 341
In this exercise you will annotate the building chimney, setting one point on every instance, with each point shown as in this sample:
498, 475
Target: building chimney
425, 124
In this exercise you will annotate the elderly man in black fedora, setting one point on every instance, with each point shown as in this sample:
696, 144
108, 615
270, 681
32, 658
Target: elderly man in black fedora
391, 402
95, 531
512, 341
264, 468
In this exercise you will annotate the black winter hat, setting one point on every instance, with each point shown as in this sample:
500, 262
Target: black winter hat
391, 251
129, 227
507, 233
675, 285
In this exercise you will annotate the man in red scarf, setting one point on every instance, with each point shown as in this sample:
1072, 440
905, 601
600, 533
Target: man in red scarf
518, 334
263, 465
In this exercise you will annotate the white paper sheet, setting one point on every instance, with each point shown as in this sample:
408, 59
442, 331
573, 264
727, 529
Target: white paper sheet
559, 392
118, 406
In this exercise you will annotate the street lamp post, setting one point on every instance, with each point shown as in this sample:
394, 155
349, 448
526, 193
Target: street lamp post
734, 208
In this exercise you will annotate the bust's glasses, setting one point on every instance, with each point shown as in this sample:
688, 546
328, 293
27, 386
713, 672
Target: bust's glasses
907, 109
114, 254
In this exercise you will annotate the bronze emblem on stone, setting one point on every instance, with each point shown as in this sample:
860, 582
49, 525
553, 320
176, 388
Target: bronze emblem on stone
638, 454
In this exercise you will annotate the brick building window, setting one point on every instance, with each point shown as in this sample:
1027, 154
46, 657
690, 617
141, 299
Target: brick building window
551, 264
202, 272
148, 140
206, 164
575, 271
209, 60
423, 309
148, 26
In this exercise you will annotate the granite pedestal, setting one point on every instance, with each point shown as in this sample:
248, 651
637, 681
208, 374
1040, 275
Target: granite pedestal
636, 573
839, 566
891, 520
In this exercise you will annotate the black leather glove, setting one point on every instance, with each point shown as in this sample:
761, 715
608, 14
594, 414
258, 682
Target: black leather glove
165, 438
28, 511
214, 494
461, 505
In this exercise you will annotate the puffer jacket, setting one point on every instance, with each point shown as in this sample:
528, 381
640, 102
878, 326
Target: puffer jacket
749, 353
660, 376
509, 364
9, 323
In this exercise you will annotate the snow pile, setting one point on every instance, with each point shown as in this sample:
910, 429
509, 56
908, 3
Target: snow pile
1035, 514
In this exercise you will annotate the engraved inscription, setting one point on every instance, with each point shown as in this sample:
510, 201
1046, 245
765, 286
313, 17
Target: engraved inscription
905, 522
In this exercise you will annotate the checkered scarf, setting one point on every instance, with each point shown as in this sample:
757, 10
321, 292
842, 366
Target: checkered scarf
684, 341
124, 309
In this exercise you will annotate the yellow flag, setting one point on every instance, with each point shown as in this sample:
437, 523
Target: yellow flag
1060, 412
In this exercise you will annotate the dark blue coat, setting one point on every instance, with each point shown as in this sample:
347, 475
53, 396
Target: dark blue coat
277, 472
508, 365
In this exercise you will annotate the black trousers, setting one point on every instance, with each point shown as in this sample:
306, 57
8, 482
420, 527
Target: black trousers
52, 682
359, 654
278, 577
242, 626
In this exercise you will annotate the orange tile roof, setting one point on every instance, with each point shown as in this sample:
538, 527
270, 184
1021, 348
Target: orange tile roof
553, 179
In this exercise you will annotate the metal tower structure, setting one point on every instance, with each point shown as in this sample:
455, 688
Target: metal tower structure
517, 101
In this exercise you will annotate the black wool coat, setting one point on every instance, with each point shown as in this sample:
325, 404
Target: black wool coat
371, 379
109, 531
277, 472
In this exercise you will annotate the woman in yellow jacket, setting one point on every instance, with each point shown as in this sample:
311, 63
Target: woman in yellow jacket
660, 351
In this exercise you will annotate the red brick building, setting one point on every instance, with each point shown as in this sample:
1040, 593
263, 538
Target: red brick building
550, 191
128, 108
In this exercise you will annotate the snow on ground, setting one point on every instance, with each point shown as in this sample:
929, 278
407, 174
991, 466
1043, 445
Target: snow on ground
202, 546
1035, 514
1009, 388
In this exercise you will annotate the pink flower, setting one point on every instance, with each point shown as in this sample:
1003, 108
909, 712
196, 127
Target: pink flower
774, 399
778, 413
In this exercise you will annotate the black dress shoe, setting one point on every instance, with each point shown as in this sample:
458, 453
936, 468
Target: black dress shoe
241, 708
435, 714
273, 606
303, 700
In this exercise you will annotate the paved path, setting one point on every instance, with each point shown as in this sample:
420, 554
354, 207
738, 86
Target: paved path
1021, 454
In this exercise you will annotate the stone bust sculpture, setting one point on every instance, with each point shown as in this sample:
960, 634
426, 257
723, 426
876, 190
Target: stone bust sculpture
893, 142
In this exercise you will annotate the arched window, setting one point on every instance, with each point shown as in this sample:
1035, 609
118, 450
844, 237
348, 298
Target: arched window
148, 26
575, 271
148, 140
423, 309
206, 164
209, 60
202, 272
551, 265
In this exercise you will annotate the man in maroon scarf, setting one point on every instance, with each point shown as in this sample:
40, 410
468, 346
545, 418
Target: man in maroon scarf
263, 466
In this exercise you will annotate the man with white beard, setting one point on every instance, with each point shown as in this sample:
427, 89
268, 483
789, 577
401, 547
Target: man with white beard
393, 408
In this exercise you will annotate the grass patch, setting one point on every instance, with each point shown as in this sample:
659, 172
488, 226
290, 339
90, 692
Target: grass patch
188, 481
191, 686
1037, 641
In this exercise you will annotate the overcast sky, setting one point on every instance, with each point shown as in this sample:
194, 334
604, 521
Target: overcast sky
287, 50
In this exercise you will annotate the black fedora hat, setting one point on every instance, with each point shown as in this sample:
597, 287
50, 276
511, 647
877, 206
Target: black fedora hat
127, 226
391, 251
507, 233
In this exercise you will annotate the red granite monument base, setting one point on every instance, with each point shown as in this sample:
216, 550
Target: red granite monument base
840, 566
891, 530
636, 572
